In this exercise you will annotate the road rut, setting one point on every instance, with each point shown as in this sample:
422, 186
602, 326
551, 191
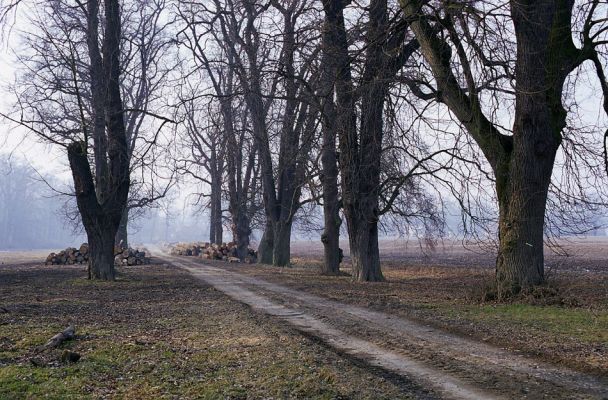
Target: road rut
448, 365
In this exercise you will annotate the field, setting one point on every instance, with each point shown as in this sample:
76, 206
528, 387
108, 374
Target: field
161, 332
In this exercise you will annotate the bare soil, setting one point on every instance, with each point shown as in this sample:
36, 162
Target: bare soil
159, 333
424, 333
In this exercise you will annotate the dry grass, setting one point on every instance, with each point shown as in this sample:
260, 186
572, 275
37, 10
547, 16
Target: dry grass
158, 333
566, 323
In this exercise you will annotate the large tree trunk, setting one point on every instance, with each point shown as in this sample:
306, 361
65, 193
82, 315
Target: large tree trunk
523, 162
101, 200
363, 241
282, 244
100, 224
539, 119
101, 235
329, 177
266, 246
363, 209
122, 236
240, 233
520, 261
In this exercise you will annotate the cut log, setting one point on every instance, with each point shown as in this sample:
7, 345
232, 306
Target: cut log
68, 334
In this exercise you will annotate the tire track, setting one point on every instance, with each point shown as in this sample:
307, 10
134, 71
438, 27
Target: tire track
318, 317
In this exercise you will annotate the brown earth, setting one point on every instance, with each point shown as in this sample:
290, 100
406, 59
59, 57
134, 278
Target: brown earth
454, 365
158, 333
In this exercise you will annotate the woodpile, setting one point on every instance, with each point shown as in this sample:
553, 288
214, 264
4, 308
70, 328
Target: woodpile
213, 251
71, 255
130, 257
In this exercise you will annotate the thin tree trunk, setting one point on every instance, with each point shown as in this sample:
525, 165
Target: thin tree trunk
215, 225
331, 232
212, 226
122, 236
219, 229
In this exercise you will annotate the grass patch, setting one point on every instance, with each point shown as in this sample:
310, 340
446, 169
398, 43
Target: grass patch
157, 333
585, 325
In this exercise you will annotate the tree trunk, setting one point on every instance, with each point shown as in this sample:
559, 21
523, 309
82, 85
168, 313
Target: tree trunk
101, 237
363, 241
329, 177
101, 201
212, 225
266, 246
282, 244
523, 162
331, 233
539, 119
240, 233
101, 225
520, 261
122, 236
215, 225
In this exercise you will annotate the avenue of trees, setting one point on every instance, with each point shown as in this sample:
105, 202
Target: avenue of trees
374, 112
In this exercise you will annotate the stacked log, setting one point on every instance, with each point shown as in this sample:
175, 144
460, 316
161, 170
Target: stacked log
72, 255
69, 256
213, 251
130, 256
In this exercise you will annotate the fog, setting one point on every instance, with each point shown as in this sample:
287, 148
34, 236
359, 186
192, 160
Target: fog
37, 212
30, 212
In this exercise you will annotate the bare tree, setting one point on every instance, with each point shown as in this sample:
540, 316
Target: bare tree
386, 50
102, 198
70, 94
467, 55
332, 44
146, 59
227, 129
273, 81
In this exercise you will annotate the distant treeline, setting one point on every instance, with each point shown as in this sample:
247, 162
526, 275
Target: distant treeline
30, 212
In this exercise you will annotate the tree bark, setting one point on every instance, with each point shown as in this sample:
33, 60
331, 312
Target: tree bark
364, 251
539, 119
282, 244
101, 226
240, 233
523, 163
329, 177
331, 216
215, 226
266, 246
101, 235
122, 236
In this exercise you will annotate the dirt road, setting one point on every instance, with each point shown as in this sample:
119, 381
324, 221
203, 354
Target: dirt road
449, 366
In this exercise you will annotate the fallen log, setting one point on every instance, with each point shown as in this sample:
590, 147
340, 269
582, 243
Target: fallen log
68, 333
